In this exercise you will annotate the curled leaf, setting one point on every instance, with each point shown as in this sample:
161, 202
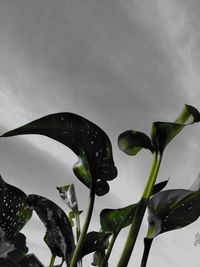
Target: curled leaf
172, 209
68, 195
163, 132
59, 236
89, 142
113, 220
14, 211
95, 241
158, 187
131, 142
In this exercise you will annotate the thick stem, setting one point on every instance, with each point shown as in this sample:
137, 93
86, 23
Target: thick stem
52, 261
80, 244
110, 247
147, 247
135, 227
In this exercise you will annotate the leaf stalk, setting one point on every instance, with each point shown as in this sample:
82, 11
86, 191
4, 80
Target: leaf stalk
135, 227
82, 236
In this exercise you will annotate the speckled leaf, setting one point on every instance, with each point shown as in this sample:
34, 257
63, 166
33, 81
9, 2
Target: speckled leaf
95, 241
31, 261
172, 209
113, 220
164, 132
158, 187
89, 142
59, 236
131, 142
14, 212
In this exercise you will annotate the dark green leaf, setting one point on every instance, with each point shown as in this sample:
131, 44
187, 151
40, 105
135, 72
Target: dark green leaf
131, 142
89, 142
19, 249
14, 212
13, 248
163, 132
158, 187
113, 220
95, 241
59, 236
8, 263
31, 261
172, 209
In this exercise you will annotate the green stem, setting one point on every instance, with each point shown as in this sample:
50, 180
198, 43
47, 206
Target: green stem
52, 261
78, 232
80, 244
78, 226
147, 247
135, 227
110, 247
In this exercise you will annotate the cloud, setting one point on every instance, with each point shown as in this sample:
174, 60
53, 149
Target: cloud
120, 64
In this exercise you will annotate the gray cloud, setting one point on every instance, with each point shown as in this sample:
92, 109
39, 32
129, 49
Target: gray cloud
121, 64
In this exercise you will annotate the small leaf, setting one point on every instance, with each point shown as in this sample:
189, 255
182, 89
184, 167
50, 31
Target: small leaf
188, 115
68, 195
131, 142
163, 132
95, 241
89, 142
14, 211
59, 236
31, 260
158, 187
113, 220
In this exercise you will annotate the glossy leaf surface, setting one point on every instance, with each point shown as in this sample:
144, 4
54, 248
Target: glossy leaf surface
89, 142
164, 132
59, 236
131, 142
95, 241
14, 211
113, 220
172, 209
158, 187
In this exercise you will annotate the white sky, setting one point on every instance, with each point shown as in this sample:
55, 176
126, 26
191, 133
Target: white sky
121, 64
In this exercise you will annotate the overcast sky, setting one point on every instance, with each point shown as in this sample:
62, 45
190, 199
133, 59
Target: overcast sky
119, 63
